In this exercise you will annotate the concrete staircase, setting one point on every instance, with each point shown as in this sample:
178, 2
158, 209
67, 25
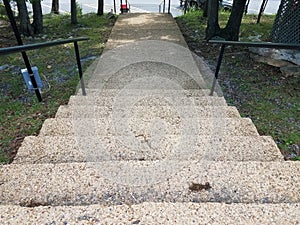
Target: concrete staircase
147, 145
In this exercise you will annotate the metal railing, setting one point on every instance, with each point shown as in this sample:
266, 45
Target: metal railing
23, 48
162, 7
246, 44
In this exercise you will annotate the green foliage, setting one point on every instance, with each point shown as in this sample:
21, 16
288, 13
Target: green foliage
78, 9
259, 91
249, 27
297, 158
2, 11
193, 19
21, 114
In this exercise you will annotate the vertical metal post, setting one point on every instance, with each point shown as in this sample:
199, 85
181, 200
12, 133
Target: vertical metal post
217, 69
24, 55
164, 6
115, 6
185, 6
121, 6
79, 67
169, 7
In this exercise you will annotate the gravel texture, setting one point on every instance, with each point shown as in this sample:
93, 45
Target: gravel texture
148, 100
155, 213
119, 182
62, 149
149, 111
151, 153
128, 126
141, 27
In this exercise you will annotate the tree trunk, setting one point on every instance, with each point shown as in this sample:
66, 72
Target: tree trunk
232, 29
25, 26
37, 17
55, 7
100, 7
73, 12
262, 9
213, 27
205, 9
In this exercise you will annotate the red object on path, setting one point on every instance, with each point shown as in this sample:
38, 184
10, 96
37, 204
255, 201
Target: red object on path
124, 7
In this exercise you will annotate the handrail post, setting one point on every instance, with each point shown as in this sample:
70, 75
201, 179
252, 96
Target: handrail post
24, 55
79, 67
247, 44
217, 69
115, 9
164, 6
169, 7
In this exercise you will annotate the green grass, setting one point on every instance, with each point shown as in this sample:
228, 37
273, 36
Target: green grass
21, 114
195, 21
259, 91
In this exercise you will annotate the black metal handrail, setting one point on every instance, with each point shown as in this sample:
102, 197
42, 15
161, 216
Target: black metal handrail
23, 48
163, 4
246, 44
28, 47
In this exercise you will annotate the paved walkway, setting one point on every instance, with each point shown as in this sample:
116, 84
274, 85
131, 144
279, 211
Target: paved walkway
147, 145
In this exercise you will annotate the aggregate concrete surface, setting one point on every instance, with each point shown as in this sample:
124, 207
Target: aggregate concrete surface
148, 145
155, 213
63, 149
119, 182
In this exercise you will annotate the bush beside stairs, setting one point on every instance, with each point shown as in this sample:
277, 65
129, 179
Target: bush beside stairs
148, 145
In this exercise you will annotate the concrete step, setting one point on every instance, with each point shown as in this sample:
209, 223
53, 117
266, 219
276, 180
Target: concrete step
148, 75
154, 213
148, 27
167, 53
145, 21
125, 37
71, 111
147, 100
132, 182
148, 127
62, 149
146, 92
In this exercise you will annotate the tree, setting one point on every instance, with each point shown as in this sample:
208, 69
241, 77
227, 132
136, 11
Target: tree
205, 9
100, 7
55, 7
25, 26
213, 27
73, 12
37, 16
262, 9
232, 29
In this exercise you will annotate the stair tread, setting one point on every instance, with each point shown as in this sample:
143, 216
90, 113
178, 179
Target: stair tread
155, 213
66, 111
144, 92
61, 149
147, 100
166, 52
117, 182
149, 126
148, 75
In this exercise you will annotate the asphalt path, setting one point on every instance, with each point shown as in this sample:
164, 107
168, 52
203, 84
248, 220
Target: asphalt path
147, 6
